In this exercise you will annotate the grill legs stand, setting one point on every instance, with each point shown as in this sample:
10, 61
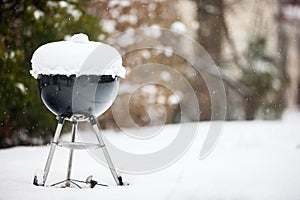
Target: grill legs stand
68, 181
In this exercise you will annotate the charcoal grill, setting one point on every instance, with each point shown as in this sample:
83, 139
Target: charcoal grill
77, 99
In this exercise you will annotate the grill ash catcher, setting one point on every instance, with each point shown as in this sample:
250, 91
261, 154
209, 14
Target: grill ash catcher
78, 80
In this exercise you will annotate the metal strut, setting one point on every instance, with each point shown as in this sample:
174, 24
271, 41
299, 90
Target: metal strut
53, 146
118, 179
74, 131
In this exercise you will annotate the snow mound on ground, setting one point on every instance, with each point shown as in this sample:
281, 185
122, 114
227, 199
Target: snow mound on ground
255, 160
78, 56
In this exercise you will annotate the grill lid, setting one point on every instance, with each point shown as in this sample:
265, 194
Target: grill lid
78, 56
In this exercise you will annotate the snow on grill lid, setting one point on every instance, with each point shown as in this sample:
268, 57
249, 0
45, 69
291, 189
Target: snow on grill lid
78, 56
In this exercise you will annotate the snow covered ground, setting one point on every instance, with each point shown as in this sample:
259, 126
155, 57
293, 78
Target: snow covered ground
253, 160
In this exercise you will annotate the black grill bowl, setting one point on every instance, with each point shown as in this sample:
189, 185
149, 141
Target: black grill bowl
85, 95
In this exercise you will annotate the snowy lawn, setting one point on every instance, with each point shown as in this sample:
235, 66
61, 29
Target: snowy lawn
253, 160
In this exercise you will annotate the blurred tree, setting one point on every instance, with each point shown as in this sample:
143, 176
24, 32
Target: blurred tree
210, 32
288, 22
25, 25
259, 81
261, 77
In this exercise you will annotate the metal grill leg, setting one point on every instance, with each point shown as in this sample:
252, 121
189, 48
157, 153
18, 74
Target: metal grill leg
52, 149
74, 131
118, 179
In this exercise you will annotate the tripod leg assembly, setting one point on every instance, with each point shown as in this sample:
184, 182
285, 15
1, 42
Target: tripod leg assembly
68, 181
